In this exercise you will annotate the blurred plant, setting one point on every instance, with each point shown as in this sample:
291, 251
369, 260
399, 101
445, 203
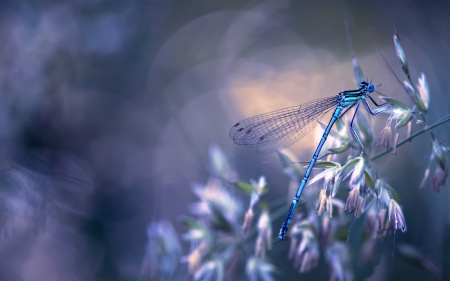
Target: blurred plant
413, 256
369, 194
420, 98
162, 253
219, 164
437, 155
223, 235
222, 229
311, 235
419, 95
221, 232
25, 200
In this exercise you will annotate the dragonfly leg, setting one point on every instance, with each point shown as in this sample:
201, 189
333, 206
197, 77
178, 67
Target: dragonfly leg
355, 135
343, 113
374, 102
378, 110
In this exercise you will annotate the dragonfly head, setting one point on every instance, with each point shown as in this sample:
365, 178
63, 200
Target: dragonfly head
368, 87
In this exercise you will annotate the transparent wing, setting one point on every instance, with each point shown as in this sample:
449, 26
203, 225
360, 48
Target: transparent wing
279, 129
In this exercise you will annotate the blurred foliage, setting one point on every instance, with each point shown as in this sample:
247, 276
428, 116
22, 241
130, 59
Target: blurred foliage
108, 107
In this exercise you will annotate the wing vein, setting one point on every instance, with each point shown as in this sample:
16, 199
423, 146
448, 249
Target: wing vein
279, 129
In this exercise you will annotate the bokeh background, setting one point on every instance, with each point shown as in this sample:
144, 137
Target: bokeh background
108, 108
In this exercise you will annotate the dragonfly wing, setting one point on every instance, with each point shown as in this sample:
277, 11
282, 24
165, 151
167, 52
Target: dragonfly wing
289, 139
278, 129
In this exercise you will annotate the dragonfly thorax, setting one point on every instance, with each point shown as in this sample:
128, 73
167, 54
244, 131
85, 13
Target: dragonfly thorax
347, 98
340, 99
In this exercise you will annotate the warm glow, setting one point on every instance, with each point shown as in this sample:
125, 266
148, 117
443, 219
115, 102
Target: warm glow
275, 90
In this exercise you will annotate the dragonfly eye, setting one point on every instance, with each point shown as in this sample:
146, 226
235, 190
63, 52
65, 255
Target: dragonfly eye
370, 88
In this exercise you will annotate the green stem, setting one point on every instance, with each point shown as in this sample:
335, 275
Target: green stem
438, 123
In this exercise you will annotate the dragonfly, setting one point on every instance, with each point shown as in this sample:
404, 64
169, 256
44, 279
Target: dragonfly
276, 130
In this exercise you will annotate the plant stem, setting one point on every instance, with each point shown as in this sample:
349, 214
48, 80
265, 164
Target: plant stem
438, 123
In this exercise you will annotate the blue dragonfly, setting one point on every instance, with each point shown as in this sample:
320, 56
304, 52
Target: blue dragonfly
276, 130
